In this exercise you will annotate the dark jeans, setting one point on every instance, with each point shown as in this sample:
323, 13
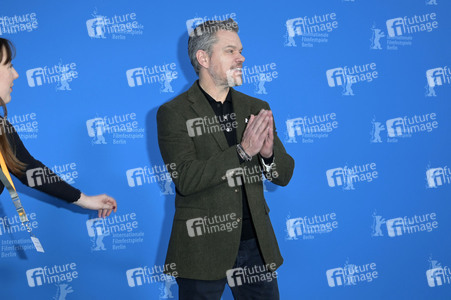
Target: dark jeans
262, 285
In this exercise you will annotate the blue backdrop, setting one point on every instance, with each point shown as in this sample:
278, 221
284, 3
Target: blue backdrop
360, 92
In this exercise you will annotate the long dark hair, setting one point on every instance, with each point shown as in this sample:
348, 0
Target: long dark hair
16, 166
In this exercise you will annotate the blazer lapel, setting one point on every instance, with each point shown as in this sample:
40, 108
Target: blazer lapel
203, 109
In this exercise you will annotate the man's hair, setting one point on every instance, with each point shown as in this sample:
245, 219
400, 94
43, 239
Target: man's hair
203, 37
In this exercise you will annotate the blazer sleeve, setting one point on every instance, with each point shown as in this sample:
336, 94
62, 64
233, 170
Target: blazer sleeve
284, 163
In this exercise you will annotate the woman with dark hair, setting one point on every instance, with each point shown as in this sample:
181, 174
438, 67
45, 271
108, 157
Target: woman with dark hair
15, 158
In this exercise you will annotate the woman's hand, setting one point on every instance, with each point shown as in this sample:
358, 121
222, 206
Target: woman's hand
103, 203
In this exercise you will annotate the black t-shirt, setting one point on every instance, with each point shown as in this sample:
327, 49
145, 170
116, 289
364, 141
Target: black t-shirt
223, 112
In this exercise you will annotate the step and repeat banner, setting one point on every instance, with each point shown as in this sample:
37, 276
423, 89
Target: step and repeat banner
360, 91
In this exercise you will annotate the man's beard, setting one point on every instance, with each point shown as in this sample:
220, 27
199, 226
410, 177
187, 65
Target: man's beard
230, 80
233, 79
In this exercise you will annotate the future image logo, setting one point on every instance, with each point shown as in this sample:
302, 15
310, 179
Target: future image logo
193, 28
346, 76
346, 177
209, 225
209, 125
411, 25
248, 175
122, 128
144, 275
351, 275
115, 27
9, 228
158, 74
403, 127
401, 226
406, 126
122, 229
138, 277
52, 275
310, 227
160, 174
11, 225
60, 75
311, 127
312, 30
26, 125
18, 23
259, 75
401, 30
45, 176
250, 275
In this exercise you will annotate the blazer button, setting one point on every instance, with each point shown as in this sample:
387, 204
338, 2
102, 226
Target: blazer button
237, 190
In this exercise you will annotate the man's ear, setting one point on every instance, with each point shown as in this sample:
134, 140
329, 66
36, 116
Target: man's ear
203, 59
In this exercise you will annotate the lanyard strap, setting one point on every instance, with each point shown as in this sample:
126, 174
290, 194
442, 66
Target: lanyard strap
5, 178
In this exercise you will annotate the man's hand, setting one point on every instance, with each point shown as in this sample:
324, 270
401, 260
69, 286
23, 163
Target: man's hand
256, 132
103, 203
268, 145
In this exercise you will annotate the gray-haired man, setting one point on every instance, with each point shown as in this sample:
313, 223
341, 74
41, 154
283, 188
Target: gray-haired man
221, 142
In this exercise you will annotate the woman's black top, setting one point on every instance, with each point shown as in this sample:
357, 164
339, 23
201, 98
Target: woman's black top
36, 174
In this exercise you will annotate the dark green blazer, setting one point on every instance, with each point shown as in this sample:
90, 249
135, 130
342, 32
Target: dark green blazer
203, 189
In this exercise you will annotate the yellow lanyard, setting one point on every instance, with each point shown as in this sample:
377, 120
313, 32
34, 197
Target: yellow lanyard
5, 169
9, 185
